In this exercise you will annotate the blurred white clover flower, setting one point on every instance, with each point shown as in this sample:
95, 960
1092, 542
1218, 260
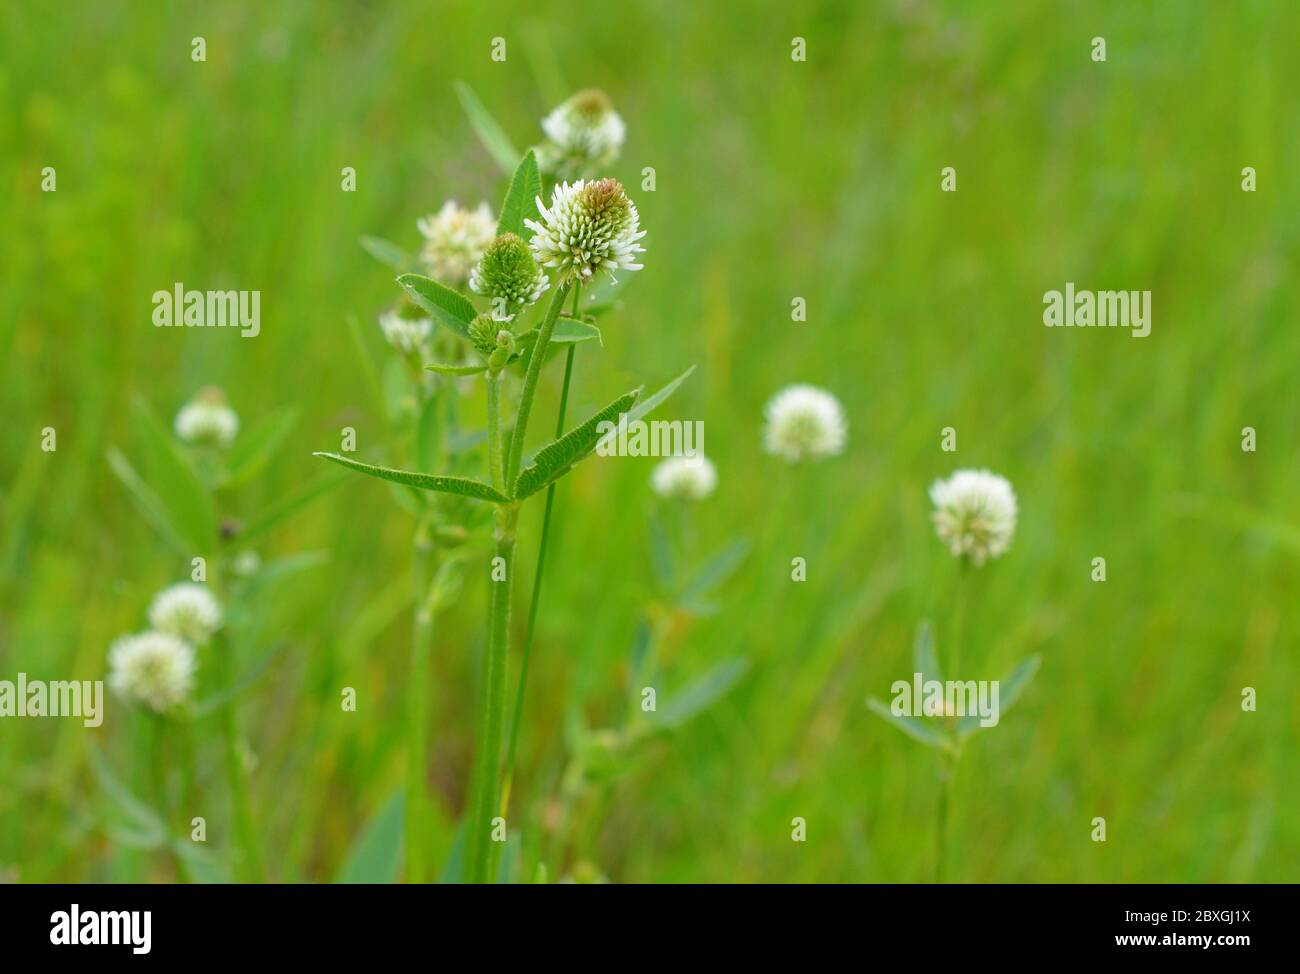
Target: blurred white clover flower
207, 419
155, 669
454, 240
689, 478
187, 610
975, 513
583, 134
589, 226
507, 275
407, 335
804, 422
247, 563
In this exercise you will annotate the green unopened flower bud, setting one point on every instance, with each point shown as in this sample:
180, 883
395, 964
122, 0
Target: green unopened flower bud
483, 333
508, 275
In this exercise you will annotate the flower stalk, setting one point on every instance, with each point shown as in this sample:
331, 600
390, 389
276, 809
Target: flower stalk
418, 710
485, 779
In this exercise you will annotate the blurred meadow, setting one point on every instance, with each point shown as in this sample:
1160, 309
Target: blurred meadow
775, 179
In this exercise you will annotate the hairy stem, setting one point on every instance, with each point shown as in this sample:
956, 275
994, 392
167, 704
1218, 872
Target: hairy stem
485, 780
417, 716
246, 841
495, 470
530, 385
948, 769
512, 748
941, 820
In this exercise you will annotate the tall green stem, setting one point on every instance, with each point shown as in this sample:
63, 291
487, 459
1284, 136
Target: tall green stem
512, 748
492, 704
948, 768
941, 822
417, 716
530, 385
495, 470
246, 839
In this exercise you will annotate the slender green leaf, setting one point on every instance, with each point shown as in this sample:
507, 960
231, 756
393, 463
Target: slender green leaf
386, 252
142, 816
644, 407
450, 307
521, 197
488, 130
275, 514
557, 457
913, 727
662, 560
701, 693
255, 446
924, 659
456, 369
376, 855
177, 484
453, 870
367, 359
424, 481
715, 571
1010, 689
212, 704
566, 330
146, 501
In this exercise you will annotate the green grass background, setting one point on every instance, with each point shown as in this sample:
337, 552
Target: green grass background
775, 179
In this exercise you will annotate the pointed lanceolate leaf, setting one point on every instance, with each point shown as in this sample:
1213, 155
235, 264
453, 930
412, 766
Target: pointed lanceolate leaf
424, 481
489, 131
376, 855
386, 252
702, 693
254, 447
455, 369
924, 660
449, 307
566, 330
1010, 688
557, 457
146, 501
644, 407
914, 727
174, 479
715, 571
521, 197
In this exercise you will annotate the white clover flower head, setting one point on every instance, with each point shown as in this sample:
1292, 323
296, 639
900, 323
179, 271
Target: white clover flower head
687, 478
247, 563
187, 610
454, 240
207, 420
155, 669
507, 275
804, 423
974, 513
407, 335
590, 226
584, 133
